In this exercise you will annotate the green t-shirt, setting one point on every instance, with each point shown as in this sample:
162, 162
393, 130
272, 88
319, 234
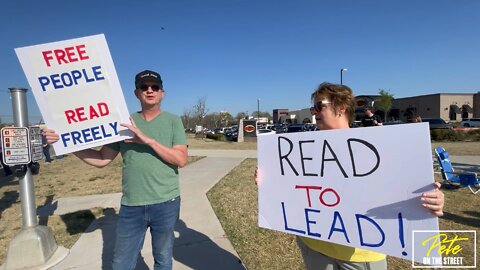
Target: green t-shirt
146, 178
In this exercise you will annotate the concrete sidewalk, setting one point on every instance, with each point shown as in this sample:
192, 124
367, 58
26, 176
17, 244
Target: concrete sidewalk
200, 241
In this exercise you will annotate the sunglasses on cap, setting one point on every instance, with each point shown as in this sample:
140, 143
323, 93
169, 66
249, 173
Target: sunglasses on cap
144, 87
318, 106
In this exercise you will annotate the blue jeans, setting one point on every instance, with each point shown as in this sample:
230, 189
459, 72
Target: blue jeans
132, 226
46, 152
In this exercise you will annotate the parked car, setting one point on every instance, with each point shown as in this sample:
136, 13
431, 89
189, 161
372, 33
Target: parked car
295, 128
231, 134
264, 131
437, 123
279, 128
470, 122
219, 130
395, 122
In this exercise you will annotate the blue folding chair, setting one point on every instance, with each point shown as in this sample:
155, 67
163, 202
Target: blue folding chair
449, 175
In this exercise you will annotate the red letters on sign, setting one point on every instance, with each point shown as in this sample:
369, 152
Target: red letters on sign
78, 114
66, 55
321, 196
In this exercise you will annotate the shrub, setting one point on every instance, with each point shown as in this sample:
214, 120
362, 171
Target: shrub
446, 135
473, 135
200, 135
217, 137
454, 124
454, 135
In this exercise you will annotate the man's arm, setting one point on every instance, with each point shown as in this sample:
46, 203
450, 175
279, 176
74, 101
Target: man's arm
378, 121
98, 158
176, 155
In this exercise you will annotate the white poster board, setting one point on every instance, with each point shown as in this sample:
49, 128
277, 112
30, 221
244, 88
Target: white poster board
77, 91
358, 187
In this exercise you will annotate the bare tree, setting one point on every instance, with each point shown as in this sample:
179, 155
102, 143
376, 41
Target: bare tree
241, 115
187, 118
200, 111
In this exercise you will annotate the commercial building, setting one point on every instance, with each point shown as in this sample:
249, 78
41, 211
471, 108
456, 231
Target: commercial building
449, 106
301, 116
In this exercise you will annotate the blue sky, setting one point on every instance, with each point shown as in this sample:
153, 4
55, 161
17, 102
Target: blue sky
234, 52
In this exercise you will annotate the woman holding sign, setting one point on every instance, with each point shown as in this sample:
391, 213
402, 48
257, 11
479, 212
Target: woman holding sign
333, 108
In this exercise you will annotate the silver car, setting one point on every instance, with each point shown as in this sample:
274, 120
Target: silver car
470, 122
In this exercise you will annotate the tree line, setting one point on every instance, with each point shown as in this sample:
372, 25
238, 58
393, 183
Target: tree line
198, 115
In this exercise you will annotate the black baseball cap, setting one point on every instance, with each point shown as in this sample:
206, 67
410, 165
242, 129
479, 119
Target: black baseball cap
147, 75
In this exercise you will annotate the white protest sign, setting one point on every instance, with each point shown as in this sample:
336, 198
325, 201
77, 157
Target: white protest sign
357, 187
77, 90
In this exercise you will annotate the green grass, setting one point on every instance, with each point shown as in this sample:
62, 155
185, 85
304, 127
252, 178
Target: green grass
234, 200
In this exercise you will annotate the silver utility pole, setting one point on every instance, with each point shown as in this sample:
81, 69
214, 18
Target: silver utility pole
341, 75
27, 195
34, 247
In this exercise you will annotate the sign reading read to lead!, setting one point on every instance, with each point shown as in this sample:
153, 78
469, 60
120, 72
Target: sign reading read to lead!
15, 145
358, 187
77, 90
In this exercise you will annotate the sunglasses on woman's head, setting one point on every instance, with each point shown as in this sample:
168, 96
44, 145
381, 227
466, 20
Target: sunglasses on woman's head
144, 87
318, 106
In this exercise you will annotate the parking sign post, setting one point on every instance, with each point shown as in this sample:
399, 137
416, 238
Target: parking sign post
27, 198
34, 245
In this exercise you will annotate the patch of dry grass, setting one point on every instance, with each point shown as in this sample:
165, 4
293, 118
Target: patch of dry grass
204, 143
234, 200
459, 148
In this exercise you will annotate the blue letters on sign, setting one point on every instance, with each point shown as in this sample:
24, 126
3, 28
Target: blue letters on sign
362, 242
337, 216
74, 77
88, 135
285, 221
309, 221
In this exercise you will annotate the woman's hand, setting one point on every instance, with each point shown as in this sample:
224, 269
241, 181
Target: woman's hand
257, 177
434, 201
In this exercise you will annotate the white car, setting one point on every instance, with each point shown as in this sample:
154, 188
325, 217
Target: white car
265, 131
470, 122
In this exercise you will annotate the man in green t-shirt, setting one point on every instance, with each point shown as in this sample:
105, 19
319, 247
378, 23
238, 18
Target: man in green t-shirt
151, 194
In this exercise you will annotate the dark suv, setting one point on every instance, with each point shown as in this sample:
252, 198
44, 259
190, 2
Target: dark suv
437, 123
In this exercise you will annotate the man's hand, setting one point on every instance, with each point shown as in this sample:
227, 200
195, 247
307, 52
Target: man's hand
50, 136
139, 137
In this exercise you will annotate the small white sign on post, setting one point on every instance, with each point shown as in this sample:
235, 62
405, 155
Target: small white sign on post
77, 90
36, 143
357, 187
15, 145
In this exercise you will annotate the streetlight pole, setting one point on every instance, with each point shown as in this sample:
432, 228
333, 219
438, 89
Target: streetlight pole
341, 75
258, 108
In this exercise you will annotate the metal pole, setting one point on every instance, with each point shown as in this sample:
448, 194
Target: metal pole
341, 75
34, 247
27, 198
258, 108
